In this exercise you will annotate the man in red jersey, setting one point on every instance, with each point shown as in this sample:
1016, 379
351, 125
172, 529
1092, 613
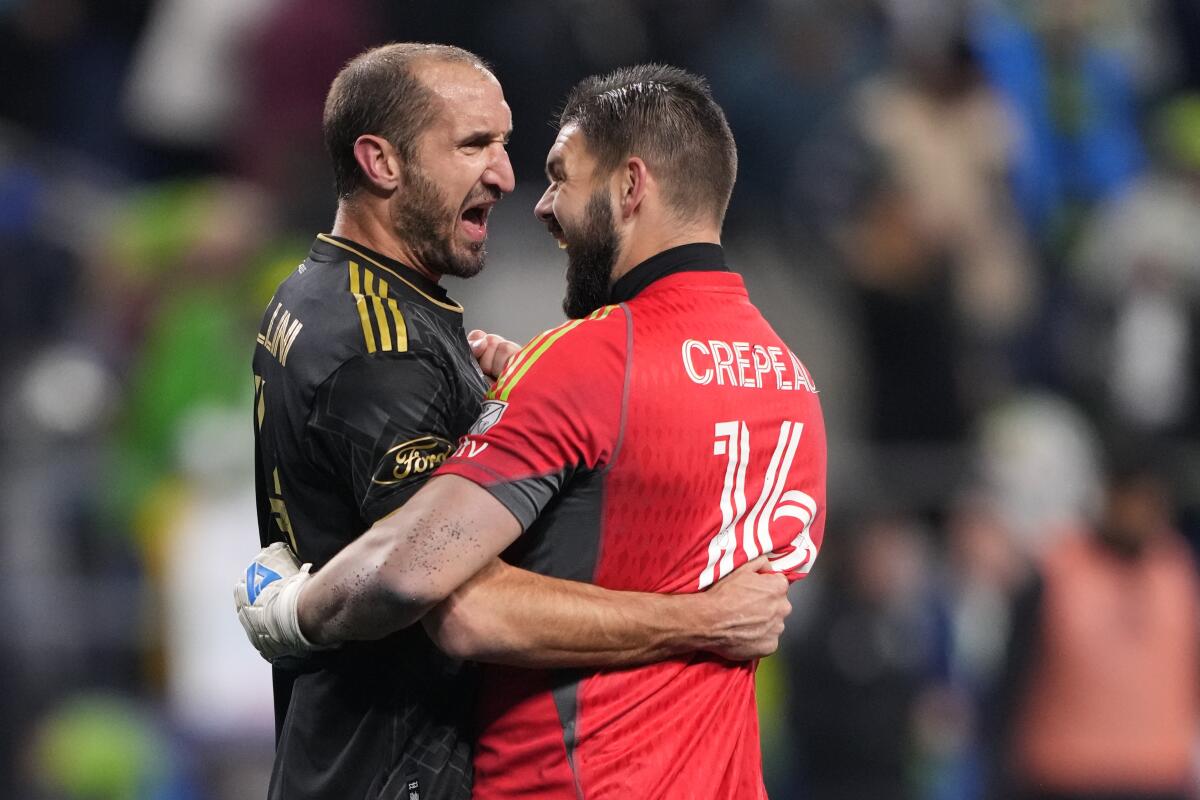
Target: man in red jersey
662, 438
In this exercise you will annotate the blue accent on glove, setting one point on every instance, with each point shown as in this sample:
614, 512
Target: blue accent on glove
258, 578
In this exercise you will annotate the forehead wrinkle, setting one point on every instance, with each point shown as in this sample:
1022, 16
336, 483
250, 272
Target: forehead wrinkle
461, 84
467, 113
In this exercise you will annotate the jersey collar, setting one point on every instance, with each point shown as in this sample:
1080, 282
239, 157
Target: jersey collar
338, 246
698, 257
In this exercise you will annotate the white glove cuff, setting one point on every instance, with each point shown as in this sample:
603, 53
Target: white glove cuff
284, 611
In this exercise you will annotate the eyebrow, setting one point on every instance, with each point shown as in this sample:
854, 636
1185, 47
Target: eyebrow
484, 137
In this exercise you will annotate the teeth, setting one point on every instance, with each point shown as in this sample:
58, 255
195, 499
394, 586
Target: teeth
562, 245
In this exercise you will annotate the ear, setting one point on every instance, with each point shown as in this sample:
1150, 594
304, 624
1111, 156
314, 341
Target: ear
635, 183
379, 162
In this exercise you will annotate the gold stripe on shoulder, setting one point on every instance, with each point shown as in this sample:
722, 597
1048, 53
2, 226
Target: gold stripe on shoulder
603, 312
534, 356
373, 302
385, 334
401, 327
516, 362
451, 306
531, 352
397, 317
361, 302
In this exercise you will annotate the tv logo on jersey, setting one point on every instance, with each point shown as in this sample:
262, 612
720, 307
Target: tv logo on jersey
414, 457
489, 414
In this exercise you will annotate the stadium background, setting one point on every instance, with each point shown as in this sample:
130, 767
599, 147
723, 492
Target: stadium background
977, 222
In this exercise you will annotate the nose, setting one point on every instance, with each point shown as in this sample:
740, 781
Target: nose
544, 210
500, 172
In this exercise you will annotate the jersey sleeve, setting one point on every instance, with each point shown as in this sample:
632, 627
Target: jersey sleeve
380, 423
555, 410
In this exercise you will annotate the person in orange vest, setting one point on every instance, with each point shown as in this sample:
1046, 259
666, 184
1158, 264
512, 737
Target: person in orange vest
1101, 697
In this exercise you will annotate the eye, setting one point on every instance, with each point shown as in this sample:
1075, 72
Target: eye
474, 144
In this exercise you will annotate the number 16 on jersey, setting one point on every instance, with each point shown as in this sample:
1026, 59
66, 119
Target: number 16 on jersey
751, 530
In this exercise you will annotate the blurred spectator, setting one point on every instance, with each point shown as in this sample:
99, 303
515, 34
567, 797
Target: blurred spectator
945, 136
185, 87
53, 202
285, 62
901, 278
185, 250
778, 69
1138, 267
983, 570
1074, 107
64, 61
104, 747
1100, 697
856, 675
1039, 457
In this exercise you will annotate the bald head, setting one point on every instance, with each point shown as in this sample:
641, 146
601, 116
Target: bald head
389, 92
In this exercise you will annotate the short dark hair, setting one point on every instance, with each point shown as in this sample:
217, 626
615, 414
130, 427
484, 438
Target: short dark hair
668, 118
380, 92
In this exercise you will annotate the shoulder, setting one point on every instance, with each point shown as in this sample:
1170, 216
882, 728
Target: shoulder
594, 346
356, 306
327, 314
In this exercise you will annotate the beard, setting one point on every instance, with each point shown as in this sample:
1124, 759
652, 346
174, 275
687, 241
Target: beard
426, 224
591, 255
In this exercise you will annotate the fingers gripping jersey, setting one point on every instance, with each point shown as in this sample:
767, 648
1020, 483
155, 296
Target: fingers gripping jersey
663, 442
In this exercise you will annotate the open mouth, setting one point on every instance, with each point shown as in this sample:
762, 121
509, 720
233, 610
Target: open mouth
557, 232
474, 220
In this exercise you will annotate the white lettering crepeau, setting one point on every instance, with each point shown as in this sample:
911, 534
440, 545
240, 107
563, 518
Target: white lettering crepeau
750, 366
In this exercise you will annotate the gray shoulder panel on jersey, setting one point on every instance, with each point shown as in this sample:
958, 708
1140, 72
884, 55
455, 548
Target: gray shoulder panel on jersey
564, 540
527, 497
566, 702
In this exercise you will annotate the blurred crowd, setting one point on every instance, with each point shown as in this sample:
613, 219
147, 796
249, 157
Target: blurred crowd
976, 221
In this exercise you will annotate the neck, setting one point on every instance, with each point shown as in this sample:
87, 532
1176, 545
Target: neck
368, 223
643, 246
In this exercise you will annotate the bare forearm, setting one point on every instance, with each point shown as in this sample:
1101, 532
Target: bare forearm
509, 616
351, 597
406, 564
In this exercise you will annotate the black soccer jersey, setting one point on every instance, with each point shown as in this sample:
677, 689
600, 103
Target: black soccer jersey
363, 383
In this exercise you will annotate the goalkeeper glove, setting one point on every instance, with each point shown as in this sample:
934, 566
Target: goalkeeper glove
265, 599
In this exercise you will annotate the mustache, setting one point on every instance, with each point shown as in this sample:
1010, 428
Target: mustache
484, 194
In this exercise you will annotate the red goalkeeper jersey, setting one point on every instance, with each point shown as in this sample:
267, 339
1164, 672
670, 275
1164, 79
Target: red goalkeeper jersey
654, 446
